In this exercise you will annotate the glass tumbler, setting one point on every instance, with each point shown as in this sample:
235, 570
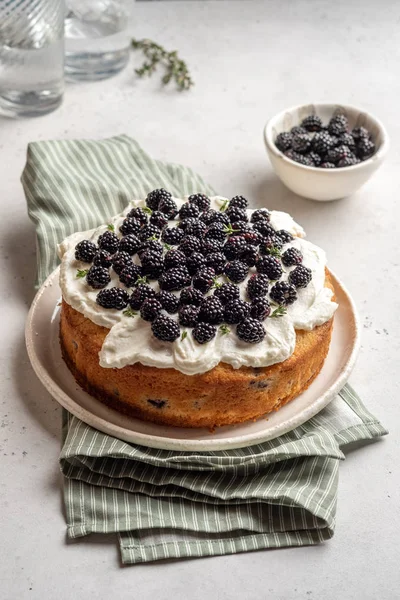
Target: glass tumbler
97, 40
31, 56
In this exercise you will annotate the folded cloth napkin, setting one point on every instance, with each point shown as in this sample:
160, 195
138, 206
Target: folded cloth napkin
167, 504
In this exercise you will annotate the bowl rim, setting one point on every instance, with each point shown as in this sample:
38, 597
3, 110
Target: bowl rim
378, 156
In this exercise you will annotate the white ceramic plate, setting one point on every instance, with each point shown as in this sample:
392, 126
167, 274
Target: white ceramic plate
45, 355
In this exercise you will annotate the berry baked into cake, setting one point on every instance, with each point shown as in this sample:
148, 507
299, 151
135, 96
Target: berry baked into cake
195, 312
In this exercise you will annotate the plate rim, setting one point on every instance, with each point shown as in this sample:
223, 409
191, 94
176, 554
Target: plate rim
161, 442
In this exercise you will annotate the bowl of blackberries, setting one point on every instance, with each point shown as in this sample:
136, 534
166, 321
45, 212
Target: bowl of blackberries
325, 151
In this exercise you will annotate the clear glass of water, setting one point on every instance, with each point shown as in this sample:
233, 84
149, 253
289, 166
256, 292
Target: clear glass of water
31, 56
97, 41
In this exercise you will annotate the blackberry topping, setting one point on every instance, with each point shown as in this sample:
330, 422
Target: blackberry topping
365, 148
195, 262
236, 271
168, 301
300, 277
186, 222
292, 257
264, 228
108, 241
138, 214
172, 236
201, 201
174, 279
283, 293
158, 219
214, 216
359, 133
103, 259
216, 231
227, 292
241, 228
299, 158
348, 162
315, 158
130, 244
189, 210
322, 142
120, 260
312, 123
152, 245
347, 140
196, 228
338, 125
168, 207
113, 298
204, 332
233, 247
284, 236
130, 274
150, 309
327, 165
301, 143
211, 311
260, 309
334, 155
270, 266
298, 130
98, 277
271, 245
154, 198
257, 285
140, 294
204, 279
165, 329
283, 141
236, 311
149, 232
188, 315
252, 238
236, 214
261, 214
250, 331
152, 264
217, 261
130, 225
174, 258
249, 255
191, 296
238, 202
190, 244
210, 246
85, 251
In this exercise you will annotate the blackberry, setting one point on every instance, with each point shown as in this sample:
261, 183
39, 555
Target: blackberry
315, 158
250, 331
120, 260
103, 259
174, 279
204, 279
189, 210
299, 158
130, 274
216, 231
284, 236
322, 142
189, 245
188, 315
301, 143
300, 277
158, 219
334, 155
211, 311
214, 216
98, 277
196, 228
201, 201
85, 251
347, 140
264, 228
260, 309
312, 123
168, 207
360, 133
298, 130
292, 257
149, 231
270, 245
108, 241
227, 292
238, 202
261, 214
236, 214
140, 294
210, 246
150, 309
152, 264
236, 271
191, 296
327, 165
172, 236
165, 329
348, 162
152, 245
130, 225
233, 246
204, 332
217, 261
283, 293
240, 228
236, 311
270, 266
139, 214
186, 222
130, 244
195, 262
249, 255
365, 148
252, 238
257, 285
338, 125
168, 301
113, 298
174, 258
284, 141
154, 198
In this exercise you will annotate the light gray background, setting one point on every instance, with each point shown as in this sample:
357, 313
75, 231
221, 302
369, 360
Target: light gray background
249, 60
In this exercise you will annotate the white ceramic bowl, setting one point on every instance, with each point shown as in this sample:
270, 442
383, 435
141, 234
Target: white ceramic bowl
324, 184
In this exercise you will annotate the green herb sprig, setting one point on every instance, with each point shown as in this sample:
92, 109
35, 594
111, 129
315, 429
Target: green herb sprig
80, 273
278, 312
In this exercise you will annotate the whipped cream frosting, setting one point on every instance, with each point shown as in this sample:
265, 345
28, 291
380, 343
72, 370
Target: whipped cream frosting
130, 339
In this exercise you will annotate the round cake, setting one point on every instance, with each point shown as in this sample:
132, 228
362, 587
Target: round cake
195, 312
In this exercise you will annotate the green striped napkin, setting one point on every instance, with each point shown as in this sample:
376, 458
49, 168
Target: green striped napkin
166, 504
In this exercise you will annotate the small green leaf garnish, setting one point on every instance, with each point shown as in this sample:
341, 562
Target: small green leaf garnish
153, 238
216, 284
228, 229
184, 335
278, 312
80, 273
140, 280
147, 210
274, 252
110, 227
224, 329
128, 312
168, 246
224, 205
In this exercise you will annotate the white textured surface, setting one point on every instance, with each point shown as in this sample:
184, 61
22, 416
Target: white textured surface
250, 60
